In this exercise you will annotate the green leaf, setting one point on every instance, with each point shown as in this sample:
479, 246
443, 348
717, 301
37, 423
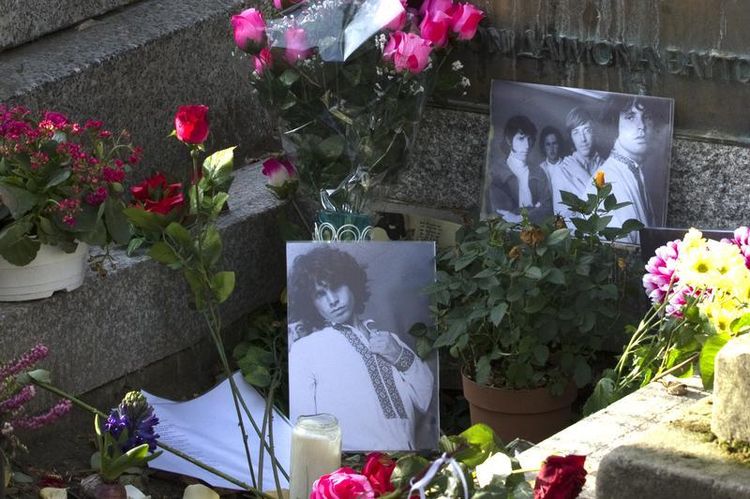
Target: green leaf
222, 285
15, 244
541, 354
218, 201
288, 77
145, 220
58, 178
482, 442
498, 312
219, 164
483, 370
631, 225
134, 244
534, 273
557, 237
406, 468
708, 356
163, 253
332, 147
602, 396
257, 375
556, 276
18, 200
116, 221
181, 237
211, 245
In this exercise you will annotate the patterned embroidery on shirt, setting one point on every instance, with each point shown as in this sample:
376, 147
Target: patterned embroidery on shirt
405, 360
379, 372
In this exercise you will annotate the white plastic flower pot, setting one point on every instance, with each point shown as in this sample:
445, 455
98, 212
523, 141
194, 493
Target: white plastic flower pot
52, 270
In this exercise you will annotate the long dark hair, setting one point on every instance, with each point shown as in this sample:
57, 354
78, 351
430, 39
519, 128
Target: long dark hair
329, 266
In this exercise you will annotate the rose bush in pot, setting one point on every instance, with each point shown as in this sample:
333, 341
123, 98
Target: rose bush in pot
525, 306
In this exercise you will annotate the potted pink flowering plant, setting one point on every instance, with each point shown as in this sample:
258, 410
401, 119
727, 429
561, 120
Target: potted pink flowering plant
348, 80
61, 186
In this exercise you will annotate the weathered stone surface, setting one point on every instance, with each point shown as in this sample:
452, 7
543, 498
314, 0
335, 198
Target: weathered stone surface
731, 418
621, 423
676, 460
23, 20
709, 182
132, 68
139, 313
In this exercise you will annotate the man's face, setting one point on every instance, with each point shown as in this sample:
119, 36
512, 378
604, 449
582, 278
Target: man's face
334, 305
551, 147
635, 131
521, 145
583, 139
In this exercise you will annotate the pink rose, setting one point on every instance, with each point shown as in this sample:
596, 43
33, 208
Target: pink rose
407, 51
399, 21
249, 30
434, 28
191, 124
465, 20
262, 61
430, 6
344, 483
296, 45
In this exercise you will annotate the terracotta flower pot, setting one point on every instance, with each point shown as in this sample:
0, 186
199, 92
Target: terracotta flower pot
531, 414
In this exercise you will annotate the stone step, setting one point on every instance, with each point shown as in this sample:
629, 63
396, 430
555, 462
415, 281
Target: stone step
132, 67
138, 314
24, 21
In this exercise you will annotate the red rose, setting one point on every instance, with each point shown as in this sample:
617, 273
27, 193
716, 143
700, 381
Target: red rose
191, 124
560, 478
344, 483
156, 196
378, 469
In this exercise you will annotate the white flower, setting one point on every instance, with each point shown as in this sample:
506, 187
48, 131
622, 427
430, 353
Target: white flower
380, 41
457, 66
465, 82
498, 464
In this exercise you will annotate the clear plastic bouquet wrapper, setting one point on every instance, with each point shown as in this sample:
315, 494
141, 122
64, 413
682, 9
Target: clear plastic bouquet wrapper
348, 80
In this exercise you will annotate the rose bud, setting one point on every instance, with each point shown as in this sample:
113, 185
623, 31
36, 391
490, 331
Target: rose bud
191, 124
378, 470
430, 6
249, 31
599, 179
282, 177
560, 478
434, 28
465, 20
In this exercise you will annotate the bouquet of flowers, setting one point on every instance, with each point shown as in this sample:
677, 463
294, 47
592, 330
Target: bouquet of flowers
700, 294
348, 80
60, 183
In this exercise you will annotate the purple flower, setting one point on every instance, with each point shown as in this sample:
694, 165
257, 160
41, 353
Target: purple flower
136, 419
49, 417
24, 362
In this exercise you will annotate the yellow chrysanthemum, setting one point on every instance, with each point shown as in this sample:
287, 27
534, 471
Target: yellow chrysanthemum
728, 265
721, 313
695, 268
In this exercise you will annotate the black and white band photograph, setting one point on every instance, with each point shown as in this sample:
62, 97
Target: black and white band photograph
350, 351
546, 139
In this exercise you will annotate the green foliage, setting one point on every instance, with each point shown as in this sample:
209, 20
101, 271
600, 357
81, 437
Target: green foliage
191, 242
261, 355
112, 462
57, 187
524, 305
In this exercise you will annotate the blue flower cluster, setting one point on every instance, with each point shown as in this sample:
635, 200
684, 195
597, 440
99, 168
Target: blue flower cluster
136, 418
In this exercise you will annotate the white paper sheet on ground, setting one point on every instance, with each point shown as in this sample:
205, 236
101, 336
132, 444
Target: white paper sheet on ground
206, 428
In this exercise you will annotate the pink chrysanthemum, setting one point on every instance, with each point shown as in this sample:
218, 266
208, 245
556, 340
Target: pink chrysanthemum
660, 272
742, 240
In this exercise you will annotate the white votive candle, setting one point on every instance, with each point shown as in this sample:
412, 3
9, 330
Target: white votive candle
316, 450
